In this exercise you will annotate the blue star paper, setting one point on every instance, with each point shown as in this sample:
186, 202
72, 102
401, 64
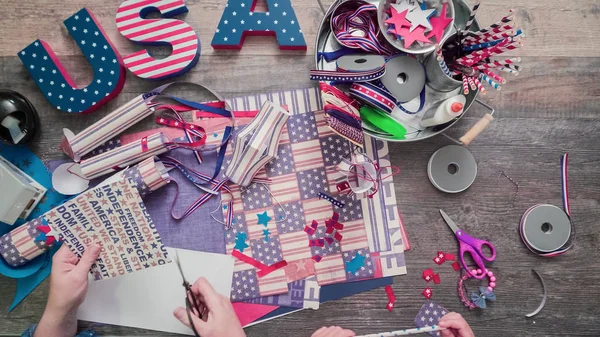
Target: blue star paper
55, 83
239, 20
263, 218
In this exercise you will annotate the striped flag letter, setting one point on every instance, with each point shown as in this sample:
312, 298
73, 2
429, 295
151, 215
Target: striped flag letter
240, 20
178, 34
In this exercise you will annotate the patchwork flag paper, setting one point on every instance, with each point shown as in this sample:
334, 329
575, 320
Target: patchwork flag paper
114, 217
55, 83
133, 25
372, 234
240, 20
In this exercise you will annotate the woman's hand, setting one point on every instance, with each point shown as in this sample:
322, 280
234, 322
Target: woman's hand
455, 325
68, 287
333, 331
218, 319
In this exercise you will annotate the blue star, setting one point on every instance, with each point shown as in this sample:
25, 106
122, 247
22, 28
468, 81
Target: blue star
354, 265
263, 218
240, 242
266, 233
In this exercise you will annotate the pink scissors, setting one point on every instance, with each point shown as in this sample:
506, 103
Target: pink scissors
471, 245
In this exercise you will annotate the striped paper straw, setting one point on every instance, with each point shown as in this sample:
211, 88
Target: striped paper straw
492, 31
492, 37
472, 17
405, 332
508, 70
465, 85
513, 67
479, 85
471, 83
481, 45
494, 64
126, 155
494, 76
76, 146
500, 23
490, 82
444, 66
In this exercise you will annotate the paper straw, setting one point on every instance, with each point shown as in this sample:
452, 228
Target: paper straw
508, 70
471, 83
500, 23
76, 146
513, 67
494, 76
465, 85
125, 155
472, 16
406, 332
481, 45
491, 31
491, 37
490, 82
479, 85
444, 66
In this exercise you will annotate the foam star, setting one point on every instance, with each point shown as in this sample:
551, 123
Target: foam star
263, 218
410, 37
397, 20
404, 5
48, 235
419, 17
439, 24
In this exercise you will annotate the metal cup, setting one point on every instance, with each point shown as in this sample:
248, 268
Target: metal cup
436, 77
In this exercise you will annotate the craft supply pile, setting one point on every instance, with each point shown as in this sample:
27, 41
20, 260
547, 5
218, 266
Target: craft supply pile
282, 200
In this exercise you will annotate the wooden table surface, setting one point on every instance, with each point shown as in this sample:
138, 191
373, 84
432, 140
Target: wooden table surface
550, 109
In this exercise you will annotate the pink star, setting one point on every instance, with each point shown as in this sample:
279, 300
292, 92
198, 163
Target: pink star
398, 20
439, 24
411, 37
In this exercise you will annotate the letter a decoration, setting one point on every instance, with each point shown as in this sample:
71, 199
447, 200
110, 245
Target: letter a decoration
181, 36
54, 81
239, 20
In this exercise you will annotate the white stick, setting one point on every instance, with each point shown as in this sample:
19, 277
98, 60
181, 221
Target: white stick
406, 332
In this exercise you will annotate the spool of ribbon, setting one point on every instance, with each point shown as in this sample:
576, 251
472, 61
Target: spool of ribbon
342, 117
354, 25
353, 68
374, 96
546, 230
404, 77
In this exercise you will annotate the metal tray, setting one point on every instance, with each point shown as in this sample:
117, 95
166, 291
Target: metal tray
326, 42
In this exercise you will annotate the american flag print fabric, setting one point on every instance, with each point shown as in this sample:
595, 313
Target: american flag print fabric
430, 315
19, 246
372, 227
180, 35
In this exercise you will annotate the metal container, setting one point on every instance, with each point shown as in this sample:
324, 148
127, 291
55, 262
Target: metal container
326, 42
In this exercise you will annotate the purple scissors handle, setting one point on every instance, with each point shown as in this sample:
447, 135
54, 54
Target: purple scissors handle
473, 246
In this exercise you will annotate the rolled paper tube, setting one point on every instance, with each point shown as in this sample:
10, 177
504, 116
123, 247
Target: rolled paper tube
476, 129
76, 146
257, 144
21, 245
125, 155
149, 176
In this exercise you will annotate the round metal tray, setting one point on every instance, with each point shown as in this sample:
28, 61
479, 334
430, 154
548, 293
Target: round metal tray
326, 42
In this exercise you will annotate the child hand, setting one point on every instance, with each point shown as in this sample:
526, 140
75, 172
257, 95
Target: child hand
218, 317
333, 331
455, 325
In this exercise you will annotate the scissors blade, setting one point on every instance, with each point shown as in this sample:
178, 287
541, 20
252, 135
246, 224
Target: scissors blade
449, 221
179, 265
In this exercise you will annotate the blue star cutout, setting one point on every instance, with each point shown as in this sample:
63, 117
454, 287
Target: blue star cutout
266, 233
263, 218
354, 265
240, 242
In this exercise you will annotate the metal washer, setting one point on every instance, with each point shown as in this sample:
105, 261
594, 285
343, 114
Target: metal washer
559, 231
440, 162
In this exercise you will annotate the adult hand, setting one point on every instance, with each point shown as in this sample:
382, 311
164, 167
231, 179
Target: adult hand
455, 325
333, 331
218, 318
68, 287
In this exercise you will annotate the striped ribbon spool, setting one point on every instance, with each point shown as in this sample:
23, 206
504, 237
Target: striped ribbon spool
346, 23
564, 162
374, 96
340, 76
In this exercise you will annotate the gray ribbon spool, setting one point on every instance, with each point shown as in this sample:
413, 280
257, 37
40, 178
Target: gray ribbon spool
547, 228
404, 77
452, 169
359, 63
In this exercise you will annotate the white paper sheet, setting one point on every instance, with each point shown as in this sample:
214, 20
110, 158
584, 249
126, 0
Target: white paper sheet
146, 299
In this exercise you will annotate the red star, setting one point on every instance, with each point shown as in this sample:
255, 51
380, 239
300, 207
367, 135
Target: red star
95, 237
104, 201
439, 24
52, 214
411, 37
120, 248
89, 195
144, 246
158, 255
78, 229
397, 19
154, 264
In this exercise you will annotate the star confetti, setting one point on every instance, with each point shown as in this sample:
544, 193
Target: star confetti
263, 218
240, 242
456, 266
427, 293
354, 265
428, 274
419, 17
439, 24
266, 233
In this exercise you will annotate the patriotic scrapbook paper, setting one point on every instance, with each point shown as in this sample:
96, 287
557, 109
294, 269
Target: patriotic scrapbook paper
270, 219
113, 216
